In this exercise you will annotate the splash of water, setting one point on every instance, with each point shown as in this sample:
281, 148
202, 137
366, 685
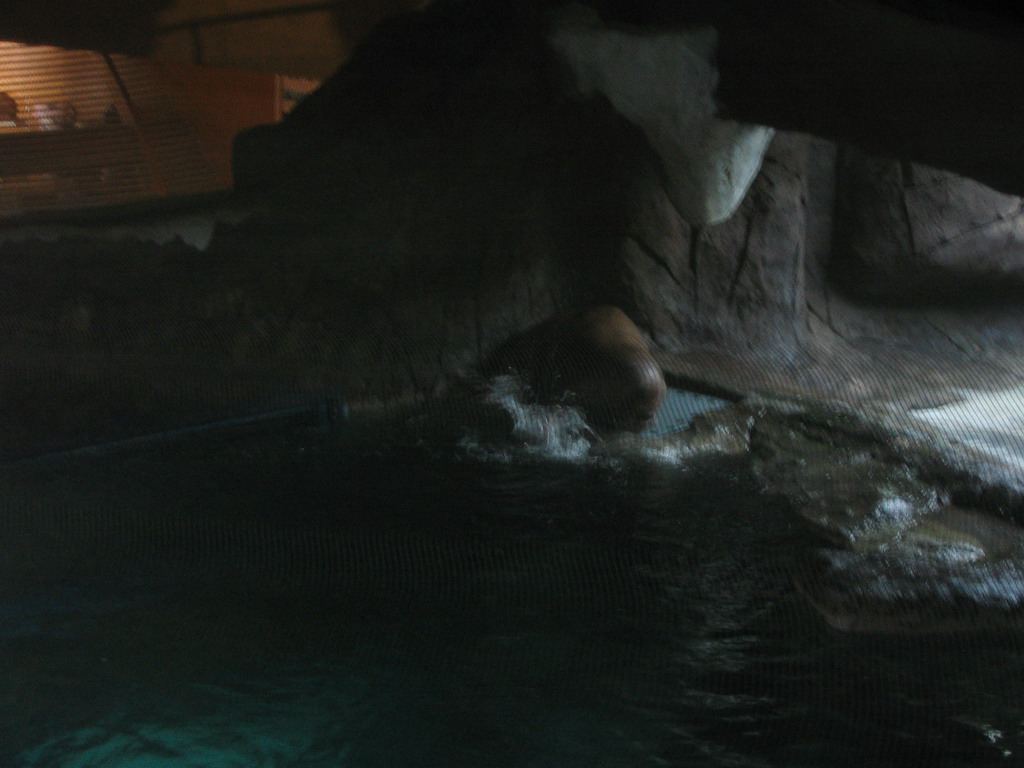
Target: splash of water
560, 432
549, 431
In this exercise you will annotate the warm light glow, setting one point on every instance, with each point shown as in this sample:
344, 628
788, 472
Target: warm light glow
43, 80
83, 129
305, 38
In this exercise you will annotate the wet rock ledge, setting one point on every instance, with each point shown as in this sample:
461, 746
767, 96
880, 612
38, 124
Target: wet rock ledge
913, 532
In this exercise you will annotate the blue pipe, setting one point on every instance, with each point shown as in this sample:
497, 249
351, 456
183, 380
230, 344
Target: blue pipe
328, 413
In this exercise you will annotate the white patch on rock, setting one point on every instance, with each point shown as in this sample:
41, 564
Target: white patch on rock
664, 83
990, 422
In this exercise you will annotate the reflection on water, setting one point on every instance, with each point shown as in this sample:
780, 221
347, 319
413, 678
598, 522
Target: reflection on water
294, 602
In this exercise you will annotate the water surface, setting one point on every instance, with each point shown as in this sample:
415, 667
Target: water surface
294, 600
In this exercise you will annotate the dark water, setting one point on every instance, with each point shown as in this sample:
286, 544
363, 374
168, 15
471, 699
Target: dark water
293, 601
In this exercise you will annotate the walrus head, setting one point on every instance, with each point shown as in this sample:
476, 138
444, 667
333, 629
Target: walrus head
618, 390
596, 360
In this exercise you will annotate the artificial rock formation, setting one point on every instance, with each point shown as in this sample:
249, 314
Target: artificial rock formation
902, 530
454, 154
914, 534
908, 233
453, 185
483, 151
664, 83
456, 184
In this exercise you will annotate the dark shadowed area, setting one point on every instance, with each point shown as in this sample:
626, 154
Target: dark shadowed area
631, 384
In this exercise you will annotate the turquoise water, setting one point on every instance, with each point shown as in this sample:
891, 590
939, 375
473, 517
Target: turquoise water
291, 600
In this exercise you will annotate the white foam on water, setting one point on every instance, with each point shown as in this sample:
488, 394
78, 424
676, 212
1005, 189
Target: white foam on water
549, 431
561, 433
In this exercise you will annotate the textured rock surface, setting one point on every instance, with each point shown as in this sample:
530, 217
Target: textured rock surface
512, 200
440, 157
664, 83
444, 191
908, 233
911, 534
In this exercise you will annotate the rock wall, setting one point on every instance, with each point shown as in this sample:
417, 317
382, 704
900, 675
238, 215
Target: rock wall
447, 189
481, 195
457, 152
912, 234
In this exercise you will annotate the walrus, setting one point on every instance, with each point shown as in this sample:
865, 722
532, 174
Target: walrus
596, 360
